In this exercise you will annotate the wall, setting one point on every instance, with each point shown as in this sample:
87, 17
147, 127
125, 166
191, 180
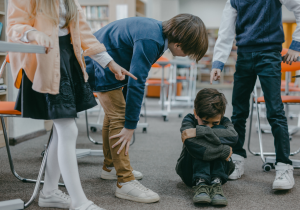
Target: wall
162, 9
210, 11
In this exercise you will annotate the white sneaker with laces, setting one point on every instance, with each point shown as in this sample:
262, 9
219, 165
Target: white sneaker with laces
239, 162
284, 179
135, 191
57, 199
111, 174
88, 206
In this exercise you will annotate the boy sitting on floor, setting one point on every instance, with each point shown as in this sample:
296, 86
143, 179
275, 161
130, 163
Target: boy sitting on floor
207, 137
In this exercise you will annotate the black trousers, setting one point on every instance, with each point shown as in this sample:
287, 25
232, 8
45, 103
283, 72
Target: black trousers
195, 169
267, 66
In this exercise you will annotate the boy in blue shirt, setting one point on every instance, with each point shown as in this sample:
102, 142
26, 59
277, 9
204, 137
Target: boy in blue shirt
257, 27
135, 44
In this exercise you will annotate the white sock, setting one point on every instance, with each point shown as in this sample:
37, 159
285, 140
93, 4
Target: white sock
67, 132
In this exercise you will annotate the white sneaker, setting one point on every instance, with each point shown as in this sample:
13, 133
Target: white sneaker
239, 162
284, 179
111, 174
88, 206
135, 191
57, 199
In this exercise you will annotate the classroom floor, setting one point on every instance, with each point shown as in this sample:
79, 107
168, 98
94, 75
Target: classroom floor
154, 154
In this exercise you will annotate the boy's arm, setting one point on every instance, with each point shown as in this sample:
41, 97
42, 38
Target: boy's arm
199, 148
293, 52
225, 40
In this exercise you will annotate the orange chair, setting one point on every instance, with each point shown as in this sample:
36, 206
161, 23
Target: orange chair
7, 110
287, 100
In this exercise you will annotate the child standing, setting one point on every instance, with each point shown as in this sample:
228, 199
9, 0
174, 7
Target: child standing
207, 137
54, 85
259, 35
136, 44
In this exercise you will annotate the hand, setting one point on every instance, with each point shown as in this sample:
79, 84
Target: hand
119, 71
41, 39
290, 56
215, 75
188, 133
227, 159
125, 137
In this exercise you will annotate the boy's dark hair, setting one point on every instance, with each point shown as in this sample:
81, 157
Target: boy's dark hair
190, 32
209, 103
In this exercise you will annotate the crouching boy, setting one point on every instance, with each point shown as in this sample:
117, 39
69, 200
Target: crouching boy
207, 137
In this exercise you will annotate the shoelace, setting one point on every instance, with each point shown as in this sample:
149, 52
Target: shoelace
62, 195
216, 190
140, 186
281, 174
202, 189
237, 167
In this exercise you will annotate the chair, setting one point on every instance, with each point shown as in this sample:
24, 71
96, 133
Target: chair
268, 163
7, 110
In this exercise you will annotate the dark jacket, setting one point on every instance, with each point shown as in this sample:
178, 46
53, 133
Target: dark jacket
209, 143
135, 44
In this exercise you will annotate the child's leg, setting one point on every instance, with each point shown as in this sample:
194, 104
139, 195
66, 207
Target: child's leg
52, 171
244, 81
67, 135
219, 169
108, 162
113, 103
268, 68
201, 170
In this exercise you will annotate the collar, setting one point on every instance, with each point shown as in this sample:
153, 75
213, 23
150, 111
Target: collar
166, 45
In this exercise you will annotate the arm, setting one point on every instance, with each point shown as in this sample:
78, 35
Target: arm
293, 52
200, 148
225, 40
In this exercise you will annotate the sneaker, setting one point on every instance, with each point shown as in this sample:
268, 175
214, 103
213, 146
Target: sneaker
111, 174
217, 196
239, 162
284, 179
88, 206
201, 193
135, 191
57, 199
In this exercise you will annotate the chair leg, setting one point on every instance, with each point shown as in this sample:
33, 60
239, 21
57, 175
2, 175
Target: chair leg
11, 163
88, 132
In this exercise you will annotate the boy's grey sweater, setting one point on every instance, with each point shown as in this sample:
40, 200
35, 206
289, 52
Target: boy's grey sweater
209, 143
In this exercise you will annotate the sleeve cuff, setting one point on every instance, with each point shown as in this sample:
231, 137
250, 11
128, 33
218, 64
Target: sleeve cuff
295, 45
218, 65
225, 153
24, 38
102, 58
130, 124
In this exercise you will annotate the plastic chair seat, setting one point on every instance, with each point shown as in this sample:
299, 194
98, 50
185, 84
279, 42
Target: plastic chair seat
285, 99
8, 108
156, 82
291, 89
95, 95
181, 78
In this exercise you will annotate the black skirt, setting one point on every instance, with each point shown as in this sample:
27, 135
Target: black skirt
75, 94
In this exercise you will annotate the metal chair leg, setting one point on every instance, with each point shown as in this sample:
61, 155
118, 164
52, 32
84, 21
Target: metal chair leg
88, 132
11, 163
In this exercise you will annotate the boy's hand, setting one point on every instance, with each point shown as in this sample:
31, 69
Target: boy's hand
188, 133
227, 159
290, 57
119, 71
215, 75
125, 136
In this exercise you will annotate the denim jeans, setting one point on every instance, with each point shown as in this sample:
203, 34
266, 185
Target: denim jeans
267, 66
195, 169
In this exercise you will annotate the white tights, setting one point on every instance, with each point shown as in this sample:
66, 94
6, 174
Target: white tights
62, 160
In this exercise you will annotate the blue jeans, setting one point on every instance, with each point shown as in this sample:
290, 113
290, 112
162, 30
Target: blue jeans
267, 66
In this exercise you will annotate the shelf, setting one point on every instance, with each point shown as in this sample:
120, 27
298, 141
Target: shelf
3, 93
2, 13
3, 53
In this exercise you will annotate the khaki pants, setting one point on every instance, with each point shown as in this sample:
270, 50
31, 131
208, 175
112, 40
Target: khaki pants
113, 103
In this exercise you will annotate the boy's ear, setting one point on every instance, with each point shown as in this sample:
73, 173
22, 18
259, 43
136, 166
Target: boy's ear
195, 114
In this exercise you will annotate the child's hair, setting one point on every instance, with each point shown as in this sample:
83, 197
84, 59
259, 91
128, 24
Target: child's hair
49, 9
209, 103
190, 32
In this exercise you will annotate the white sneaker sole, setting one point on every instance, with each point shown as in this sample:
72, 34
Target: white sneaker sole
234, 177
110, 177
136, 199
54, 205
285, 187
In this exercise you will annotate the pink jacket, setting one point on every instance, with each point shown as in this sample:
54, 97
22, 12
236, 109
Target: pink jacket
44, 69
